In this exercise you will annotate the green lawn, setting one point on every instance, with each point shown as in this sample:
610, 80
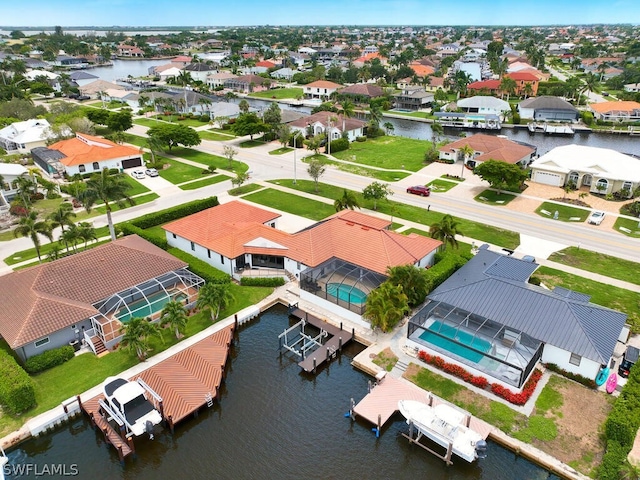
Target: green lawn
565, 212
223, 132
397, 210
394, 153
136, 140
216, 137
179, 172
147, 122
462, 246
633, 227
204, 182
291, 203
494, 198
149, 197
410, 114
251, 187
441, 186
279, 93
208, 159
608, 296
136, 188
281, 151
85, 371
189, 122
384, 175
251, 143
598, 263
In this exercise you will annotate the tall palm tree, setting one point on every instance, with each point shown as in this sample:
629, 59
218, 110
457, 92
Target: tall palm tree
71, 236
61, 217
413, 282
136, 334
25, 188
31, 227
348, 200
346, 110
437, 129
446, 230
175, 315
154, 145
467, 153
108, 189
86, 232
508, 85
214, 297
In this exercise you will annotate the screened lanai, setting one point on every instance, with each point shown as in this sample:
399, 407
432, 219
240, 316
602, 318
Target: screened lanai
342, 283
501, 352
145, 300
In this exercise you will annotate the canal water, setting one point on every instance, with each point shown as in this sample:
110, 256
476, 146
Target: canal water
272, 422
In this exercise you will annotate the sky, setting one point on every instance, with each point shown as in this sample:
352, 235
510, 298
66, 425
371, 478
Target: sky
122, 13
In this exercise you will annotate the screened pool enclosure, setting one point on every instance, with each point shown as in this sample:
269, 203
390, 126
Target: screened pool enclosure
501, 352
342, 283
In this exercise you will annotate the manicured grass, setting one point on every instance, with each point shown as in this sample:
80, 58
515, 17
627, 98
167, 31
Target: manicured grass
410, 114
608, 296
136, 140
397, 210
281, 151
384, 175
565, 212
136, 188
147, 122
598, 263
216, 137
463, 247
224, 132
396, 226
149, 197
208, 159
251, 143
189, 122
632, 225
6, 236
204, 182
291, 203
453, 178
251, 187
542, 425
494, 198
279, 93
179, 172
86, 371
441, 186
394, 153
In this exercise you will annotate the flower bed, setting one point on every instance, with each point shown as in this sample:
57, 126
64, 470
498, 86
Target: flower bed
481, 382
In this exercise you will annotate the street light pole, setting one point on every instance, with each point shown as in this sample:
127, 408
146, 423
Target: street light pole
295, 144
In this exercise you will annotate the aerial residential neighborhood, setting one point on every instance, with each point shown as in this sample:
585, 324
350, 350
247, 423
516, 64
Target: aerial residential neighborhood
253, 230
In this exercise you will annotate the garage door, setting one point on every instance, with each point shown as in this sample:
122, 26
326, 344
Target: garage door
547, 178
132, 162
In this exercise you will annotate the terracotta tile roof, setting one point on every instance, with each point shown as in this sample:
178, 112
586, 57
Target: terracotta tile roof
492, 148
369, 57
488, 84
421, 70
621, 106
265, 63
522, 76
351, 236
85, 149
43, 299
323, 84
365, 89
323, 118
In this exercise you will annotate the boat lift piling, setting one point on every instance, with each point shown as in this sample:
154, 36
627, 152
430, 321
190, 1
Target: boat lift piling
446, 457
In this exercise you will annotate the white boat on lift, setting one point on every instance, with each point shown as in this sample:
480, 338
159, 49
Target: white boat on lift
128, 401
444, 425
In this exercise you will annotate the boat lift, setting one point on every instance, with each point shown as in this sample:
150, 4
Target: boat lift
300, 343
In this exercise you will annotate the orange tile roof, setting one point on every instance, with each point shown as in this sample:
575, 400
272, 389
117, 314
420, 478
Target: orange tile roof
370, 56
492, 148
85, 149
522, 76
323, 84
351, 236
421, 70
45, 298
620, 106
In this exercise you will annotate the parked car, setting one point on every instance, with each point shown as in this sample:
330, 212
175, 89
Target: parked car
137, 174
596, 217
419, 190
83, 97
629, 359
151, 172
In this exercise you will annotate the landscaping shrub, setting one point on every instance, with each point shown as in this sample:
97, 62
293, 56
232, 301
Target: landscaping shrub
447, 262
179, 211
204, 118
612, 461
48, 359
587, 382
453, 369
521, 397
361, 139
201, 268
128, 228
261, 282
339, 145
17, 393
18, 210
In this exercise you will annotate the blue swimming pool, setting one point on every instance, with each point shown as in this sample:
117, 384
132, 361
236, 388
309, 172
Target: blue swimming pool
456, 341
142, 309
347, 293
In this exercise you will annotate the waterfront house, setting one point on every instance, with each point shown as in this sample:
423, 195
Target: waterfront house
86, 297
413, 98
489, 319
600, 170
361, 92
321, 89
215, 80
330, 123
548, 109
337, 261
248, 83
200, 71
487, 147
616, 111
21, 137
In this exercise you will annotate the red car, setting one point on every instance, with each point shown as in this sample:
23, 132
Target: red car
419, 190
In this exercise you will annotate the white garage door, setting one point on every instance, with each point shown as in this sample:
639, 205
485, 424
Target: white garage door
548, 178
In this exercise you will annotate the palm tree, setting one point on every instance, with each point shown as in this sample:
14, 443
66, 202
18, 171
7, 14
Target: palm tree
348, 200
31, 227
214, 297
508, 85
388, 126
375, 114
467, 152
108, 189
136, 333
61, 217
175, 315
154, 145
437, 129
413, 282
386, 305
86, 232
25, 188
590, 84
446, 230
71, 236
346, 110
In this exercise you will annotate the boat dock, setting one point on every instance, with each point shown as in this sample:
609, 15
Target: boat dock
184, 383
337, 337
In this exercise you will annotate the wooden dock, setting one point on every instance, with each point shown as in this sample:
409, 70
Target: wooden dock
337, 338
379, 405
186, 382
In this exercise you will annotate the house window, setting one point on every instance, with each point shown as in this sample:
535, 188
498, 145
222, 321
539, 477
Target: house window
573, 177
627, 186
82, 169
174, 235
602, 184
575, 359
193, 246
221, 259
41, 342
208, 253
96, 166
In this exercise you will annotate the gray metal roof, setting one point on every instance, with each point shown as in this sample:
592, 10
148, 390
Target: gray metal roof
547, 103
486, 286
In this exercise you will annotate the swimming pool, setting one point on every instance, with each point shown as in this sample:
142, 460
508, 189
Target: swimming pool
446, 337
142, 308
347, 293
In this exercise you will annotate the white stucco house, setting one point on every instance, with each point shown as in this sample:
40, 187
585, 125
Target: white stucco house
323, 122
21, 137
602, 170
9, 172
321, 89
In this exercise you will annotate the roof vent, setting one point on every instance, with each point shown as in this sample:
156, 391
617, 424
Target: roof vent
365, 228
351, 224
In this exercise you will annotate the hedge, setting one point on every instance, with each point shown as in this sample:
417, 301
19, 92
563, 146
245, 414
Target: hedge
174, 213
128, 228
48, 359
201, 268
262, 281
17, 393
587, 382
446, 264
339, 145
